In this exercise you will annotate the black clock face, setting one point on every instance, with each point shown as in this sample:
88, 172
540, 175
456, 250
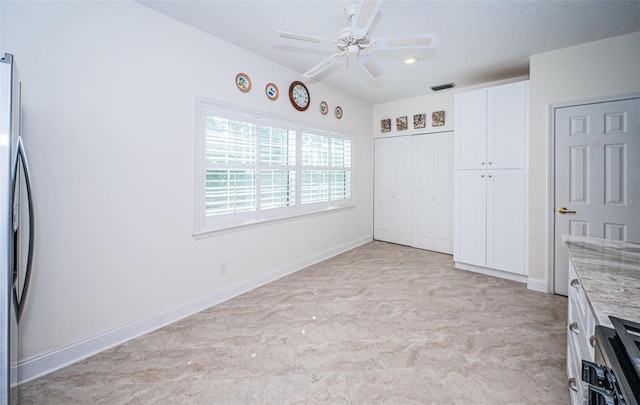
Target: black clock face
299, 96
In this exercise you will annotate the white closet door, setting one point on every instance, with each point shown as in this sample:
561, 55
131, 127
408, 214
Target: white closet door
392, 185
470, 215
432, 210
423, 221
506, 220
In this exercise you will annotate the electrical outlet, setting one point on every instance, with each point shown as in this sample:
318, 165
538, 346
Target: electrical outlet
223, 268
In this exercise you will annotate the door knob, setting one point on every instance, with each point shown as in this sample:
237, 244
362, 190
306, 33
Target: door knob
563, 210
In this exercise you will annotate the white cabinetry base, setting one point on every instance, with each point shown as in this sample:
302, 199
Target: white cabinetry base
491, 272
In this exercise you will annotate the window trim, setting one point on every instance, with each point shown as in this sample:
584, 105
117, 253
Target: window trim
201, 227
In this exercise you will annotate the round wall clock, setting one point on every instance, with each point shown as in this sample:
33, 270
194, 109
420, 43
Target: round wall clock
299, 96
243, 82
272, 91
338, 112
324, 108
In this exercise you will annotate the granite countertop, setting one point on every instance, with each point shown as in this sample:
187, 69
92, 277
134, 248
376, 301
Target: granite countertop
609, 272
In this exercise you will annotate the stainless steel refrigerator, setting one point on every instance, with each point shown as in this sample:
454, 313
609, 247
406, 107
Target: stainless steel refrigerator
16, 229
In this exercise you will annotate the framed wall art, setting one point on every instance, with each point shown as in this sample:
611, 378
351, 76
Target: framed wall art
419, 121
401, 123
437, 119
385, 125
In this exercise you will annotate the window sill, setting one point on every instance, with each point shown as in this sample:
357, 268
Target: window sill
240, 226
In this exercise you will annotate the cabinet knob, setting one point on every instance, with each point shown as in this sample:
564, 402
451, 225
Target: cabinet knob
592, 341
573, 327
490, 163
482, 163
491, 175
574, 283
482, 175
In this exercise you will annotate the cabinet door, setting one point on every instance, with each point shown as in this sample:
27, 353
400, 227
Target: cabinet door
471, 130
470, 217
507, 125
506, 220
432, 197
392, 185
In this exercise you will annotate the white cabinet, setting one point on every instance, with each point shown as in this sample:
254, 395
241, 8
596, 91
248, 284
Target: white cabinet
489, 219
506, 220
580, 336
470, 217
490, 180
491, 127
413, 191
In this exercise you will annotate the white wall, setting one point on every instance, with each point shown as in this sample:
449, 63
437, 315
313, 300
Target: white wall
597, 69
437, 101
109, 91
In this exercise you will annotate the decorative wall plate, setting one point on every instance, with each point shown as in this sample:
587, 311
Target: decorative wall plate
419, 121
338, 112
272, 91
324, 107
243, 82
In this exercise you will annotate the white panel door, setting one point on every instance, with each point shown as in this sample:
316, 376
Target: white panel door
506, 220
597, 175
392, 190
443, 193
507, 125
432, 210
470, 224
423, 219
471, 130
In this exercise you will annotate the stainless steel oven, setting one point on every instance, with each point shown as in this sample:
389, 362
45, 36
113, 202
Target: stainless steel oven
614, 376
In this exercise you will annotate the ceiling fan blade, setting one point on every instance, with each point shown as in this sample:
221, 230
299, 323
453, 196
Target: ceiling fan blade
330, 43
330, 61
370, 66
361, 21
407, 42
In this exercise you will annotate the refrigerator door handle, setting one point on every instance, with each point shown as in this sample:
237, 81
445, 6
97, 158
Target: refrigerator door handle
19, 298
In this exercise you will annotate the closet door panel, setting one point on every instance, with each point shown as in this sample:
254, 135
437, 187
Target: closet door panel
422, 158
443, 192
392, 185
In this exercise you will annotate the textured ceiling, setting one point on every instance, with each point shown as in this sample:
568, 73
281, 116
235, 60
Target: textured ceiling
479, 41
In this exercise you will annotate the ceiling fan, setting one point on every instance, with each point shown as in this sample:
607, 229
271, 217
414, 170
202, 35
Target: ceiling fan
354, 41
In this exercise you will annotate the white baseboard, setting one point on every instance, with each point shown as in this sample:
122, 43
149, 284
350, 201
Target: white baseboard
491, 272
538, 285
45, 363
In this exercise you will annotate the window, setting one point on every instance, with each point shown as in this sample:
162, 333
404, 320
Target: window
252, 168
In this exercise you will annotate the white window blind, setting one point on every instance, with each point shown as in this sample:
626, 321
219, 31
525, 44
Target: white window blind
255, 168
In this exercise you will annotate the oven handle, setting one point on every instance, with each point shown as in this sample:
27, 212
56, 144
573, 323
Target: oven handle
597, 396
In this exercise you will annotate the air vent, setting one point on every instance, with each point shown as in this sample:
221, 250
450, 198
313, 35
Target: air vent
444, 86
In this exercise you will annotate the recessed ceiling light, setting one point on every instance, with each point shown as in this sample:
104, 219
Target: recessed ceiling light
411, 60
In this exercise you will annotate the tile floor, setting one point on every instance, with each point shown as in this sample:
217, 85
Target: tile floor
381, 324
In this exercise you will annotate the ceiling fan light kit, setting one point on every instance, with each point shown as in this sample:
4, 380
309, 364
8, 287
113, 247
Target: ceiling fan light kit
354, 41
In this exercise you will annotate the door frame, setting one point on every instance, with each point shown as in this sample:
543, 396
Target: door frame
551, 175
